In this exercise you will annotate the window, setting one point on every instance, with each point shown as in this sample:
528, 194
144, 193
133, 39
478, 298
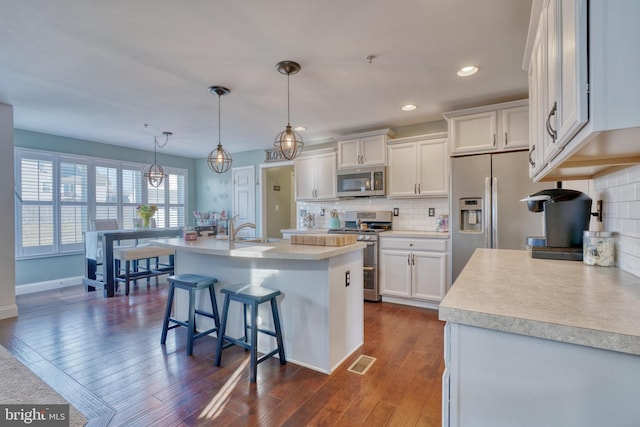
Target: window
59, 194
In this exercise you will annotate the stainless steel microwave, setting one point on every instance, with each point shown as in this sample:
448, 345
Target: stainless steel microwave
360, 182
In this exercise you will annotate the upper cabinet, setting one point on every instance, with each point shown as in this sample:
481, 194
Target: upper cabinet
498, 127
366, 149
584, 110
418, 166
315, 176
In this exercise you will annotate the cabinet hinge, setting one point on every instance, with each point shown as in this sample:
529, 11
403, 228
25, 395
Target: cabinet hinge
588, 88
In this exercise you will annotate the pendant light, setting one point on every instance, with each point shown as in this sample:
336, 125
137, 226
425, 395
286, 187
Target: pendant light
289, 142
219, 159
155, 173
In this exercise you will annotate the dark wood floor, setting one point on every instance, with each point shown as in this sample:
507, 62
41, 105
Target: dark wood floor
105, 357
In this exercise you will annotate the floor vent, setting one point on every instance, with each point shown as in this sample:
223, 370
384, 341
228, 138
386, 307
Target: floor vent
362, 364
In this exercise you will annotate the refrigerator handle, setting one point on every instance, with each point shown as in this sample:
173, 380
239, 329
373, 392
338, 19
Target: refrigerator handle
487, 216
494, 213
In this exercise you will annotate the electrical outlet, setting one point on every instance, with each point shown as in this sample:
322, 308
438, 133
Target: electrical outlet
396, 211
347, 278
432, 211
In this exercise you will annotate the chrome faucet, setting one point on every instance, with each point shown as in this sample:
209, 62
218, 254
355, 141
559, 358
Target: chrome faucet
233, 230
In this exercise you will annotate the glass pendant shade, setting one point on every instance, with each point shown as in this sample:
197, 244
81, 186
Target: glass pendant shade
219, 159
155, 175
289, 142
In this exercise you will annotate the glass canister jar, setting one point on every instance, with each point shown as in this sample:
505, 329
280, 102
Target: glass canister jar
598, 248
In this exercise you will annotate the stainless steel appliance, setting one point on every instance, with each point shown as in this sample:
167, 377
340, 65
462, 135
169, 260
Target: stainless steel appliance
367, 226
358, 182
486, 211
566, 215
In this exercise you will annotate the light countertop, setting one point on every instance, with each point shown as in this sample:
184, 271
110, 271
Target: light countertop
273, 250
566, 301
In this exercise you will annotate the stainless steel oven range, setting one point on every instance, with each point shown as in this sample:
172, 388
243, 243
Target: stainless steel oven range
367, 225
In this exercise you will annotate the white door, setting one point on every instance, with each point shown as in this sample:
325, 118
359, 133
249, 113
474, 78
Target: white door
326, 180
429, 275
433, 168
305, 172
395, 273
402, 177
244, 198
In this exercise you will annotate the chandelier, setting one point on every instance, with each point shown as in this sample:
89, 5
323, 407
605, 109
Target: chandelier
289, 142
219, 159
154, 173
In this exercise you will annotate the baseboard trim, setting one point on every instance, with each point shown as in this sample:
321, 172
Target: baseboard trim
413, 303
49, 285
8, 311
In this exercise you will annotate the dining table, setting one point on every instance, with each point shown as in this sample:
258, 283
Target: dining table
99, 247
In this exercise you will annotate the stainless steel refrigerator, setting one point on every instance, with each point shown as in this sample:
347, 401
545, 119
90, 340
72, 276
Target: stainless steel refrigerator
486, 211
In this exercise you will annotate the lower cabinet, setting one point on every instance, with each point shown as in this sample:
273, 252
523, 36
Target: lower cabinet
500, 379
413, 268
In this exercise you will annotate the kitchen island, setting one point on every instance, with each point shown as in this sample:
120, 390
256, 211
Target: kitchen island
321, 306
533, 342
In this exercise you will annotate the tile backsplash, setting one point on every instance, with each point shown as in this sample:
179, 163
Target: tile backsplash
620, 192
413, 213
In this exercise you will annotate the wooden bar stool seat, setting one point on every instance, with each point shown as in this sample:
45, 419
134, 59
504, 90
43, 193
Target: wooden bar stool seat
133, 254
251, 297
192, 283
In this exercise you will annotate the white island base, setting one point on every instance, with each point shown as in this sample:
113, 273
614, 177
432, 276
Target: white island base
322, 318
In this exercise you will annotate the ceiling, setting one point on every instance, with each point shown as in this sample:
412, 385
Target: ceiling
100, 70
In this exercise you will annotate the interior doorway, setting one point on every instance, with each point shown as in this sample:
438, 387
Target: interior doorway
278, 201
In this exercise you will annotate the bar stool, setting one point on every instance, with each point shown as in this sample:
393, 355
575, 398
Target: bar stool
191, 283
251, 297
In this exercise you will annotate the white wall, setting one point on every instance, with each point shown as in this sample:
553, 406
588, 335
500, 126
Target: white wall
8, 307
620, 192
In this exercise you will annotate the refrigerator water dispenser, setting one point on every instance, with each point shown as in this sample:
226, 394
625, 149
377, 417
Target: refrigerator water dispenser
471, 215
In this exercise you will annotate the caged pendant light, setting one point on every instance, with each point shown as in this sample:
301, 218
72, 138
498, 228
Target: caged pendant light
219, 159
154, 173
289, 142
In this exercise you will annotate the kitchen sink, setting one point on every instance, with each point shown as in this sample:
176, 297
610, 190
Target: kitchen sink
258, 240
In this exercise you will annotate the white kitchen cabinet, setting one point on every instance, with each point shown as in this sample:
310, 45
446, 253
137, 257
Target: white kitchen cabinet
315, 176
559, 65
418, 166
367, 149
539, 139
413, 268
589, 96
501, 379
499, 127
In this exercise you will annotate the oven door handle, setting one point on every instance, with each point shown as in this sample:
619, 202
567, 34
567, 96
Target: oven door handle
370, 243
368, 268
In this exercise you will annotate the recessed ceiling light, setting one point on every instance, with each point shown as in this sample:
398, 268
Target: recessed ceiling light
409, 107
300, 128
469, 70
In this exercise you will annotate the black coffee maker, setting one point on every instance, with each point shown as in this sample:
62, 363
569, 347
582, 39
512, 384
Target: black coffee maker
566, 215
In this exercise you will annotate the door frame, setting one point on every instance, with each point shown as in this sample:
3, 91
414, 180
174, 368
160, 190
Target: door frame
262, 200
253, 188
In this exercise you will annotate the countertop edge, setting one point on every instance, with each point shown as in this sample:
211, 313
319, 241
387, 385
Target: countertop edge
604, 340
244, 250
